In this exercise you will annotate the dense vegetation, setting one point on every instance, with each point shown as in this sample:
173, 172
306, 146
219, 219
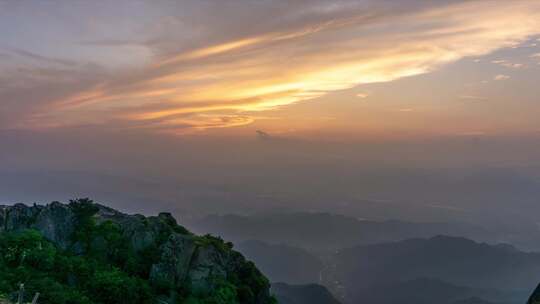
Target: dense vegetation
101, 267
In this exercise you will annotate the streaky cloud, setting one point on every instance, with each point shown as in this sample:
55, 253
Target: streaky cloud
332, 47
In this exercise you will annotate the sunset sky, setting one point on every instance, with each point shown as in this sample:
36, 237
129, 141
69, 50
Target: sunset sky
304, 68
393, 109
331, 135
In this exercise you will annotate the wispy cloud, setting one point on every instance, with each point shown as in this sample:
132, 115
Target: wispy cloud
472, 97
263, 135
536, 57
362, 95
40, 58
501, 77
224, 71
508, 64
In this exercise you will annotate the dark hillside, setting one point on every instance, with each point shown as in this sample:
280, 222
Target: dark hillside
88, 253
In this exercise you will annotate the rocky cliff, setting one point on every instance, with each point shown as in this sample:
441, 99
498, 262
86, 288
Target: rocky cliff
535, 296
177, 264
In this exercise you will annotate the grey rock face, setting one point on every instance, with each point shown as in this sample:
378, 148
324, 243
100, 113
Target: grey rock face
55, 221
182, 258
174, 265
207, 263
19, 217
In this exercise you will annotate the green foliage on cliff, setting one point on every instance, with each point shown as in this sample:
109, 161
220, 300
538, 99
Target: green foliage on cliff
101, 267
62, 277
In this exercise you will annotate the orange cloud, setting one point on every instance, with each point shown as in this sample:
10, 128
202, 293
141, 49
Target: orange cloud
275, 69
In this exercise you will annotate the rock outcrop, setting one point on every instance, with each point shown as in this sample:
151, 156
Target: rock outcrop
179, 259
535, 296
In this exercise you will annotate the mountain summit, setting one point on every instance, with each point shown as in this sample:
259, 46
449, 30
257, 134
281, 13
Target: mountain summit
83, 252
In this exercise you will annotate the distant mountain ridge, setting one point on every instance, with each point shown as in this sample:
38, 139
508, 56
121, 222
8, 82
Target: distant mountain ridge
283, 263
428, 291
388, 255
453, 260
302, 294
325, 231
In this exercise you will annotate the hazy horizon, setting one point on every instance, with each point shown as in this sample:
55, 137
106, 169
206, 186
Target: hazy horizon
407, 110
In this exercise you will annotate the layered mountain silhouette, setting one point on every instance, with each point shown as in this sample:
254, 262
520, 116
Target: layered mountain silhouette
302, 294
362, 261
440, 265
324, 232
283, 263
428, 291
130, 252
473, 300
